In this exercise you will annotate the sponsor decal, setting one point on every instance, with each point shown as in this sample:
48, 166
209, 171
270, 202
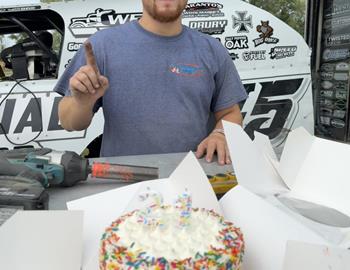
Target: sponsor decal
188, 70
102, 18
326, 102
254, 55
337, 39
280, 52
340, 104
335, 23
266, 34
327, 67
339, 114
342, 66
337, 9
234, 56
21, 118
326, 93
74, 46
242, 21
24, 8
325, 120
214, 27
341, 86
341, 76
203, 9
337, 123
327, 75
335, 54
270, 111
326, 111
236, 42
341, 95
326, 85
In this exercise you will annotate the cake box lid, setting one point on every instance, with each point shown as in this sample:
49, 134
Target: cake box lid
312, 172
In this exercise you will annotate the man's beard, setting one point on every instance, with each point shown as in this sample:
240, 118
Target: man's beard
164, 16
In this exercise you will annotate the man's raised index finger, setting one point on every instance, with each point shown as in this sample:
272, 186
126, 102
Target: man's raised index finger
90, 57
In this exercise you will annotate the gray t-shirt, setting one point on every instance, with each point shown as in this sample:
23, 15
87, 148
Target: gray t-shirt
162, 89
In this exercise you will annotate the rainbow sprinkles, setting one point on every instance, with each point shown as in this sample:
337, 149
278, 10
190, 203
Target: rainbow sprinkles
177, 237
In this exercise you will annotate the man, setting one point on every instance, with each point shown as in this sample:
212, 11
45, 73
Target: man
158, 81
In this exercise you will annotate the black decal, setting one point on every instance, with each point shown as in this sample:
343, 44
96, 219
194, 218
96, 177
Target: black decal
31, 112
254, 55
263, 106
216, 27
20, 8
203, 9
7, 115
237, 42
242, 22
54, 121
83, 27
73, 46
266, 32
234, 56
280, 52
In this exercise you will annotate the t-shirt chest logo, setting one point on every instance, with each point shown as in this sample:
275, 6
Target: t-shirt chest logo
188, 70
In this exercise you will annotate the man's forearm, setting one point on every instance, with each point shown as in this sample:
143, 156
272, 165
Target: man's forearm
74, 115
232, 114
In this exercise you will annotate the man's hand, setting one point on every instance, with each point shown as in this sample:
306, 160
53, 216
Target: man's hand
87, 84
215, 142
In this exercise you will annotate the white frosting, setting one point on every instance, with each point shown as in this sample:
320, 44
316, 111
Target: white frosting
171, 241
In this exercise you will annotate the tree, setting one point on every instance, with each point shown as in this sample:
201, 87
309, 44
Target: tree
291, 12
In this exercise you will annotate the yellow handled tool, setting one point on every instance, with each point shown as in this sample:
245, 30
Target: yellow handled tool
222, 183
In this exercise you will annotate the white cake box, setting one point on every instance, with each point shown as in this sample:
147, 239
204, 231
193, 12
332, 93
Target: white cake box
273, 234
311, 170
40, 240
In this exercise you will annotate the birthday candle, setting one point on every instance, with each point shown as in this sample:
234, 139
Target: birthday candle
153, 200
184, 204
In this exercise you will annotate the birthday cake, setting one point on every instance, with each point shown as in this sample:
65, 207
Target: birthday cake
167, 237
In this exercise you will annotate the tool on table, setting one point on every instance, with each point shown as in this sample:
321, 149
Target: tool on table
26, 172
222, 183
66, 168
19, 193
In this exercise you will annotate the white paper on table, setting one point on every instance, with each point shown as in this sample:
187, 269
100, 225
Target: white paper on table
308, 256
42, 240
266, 229
252, 167
101, 209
